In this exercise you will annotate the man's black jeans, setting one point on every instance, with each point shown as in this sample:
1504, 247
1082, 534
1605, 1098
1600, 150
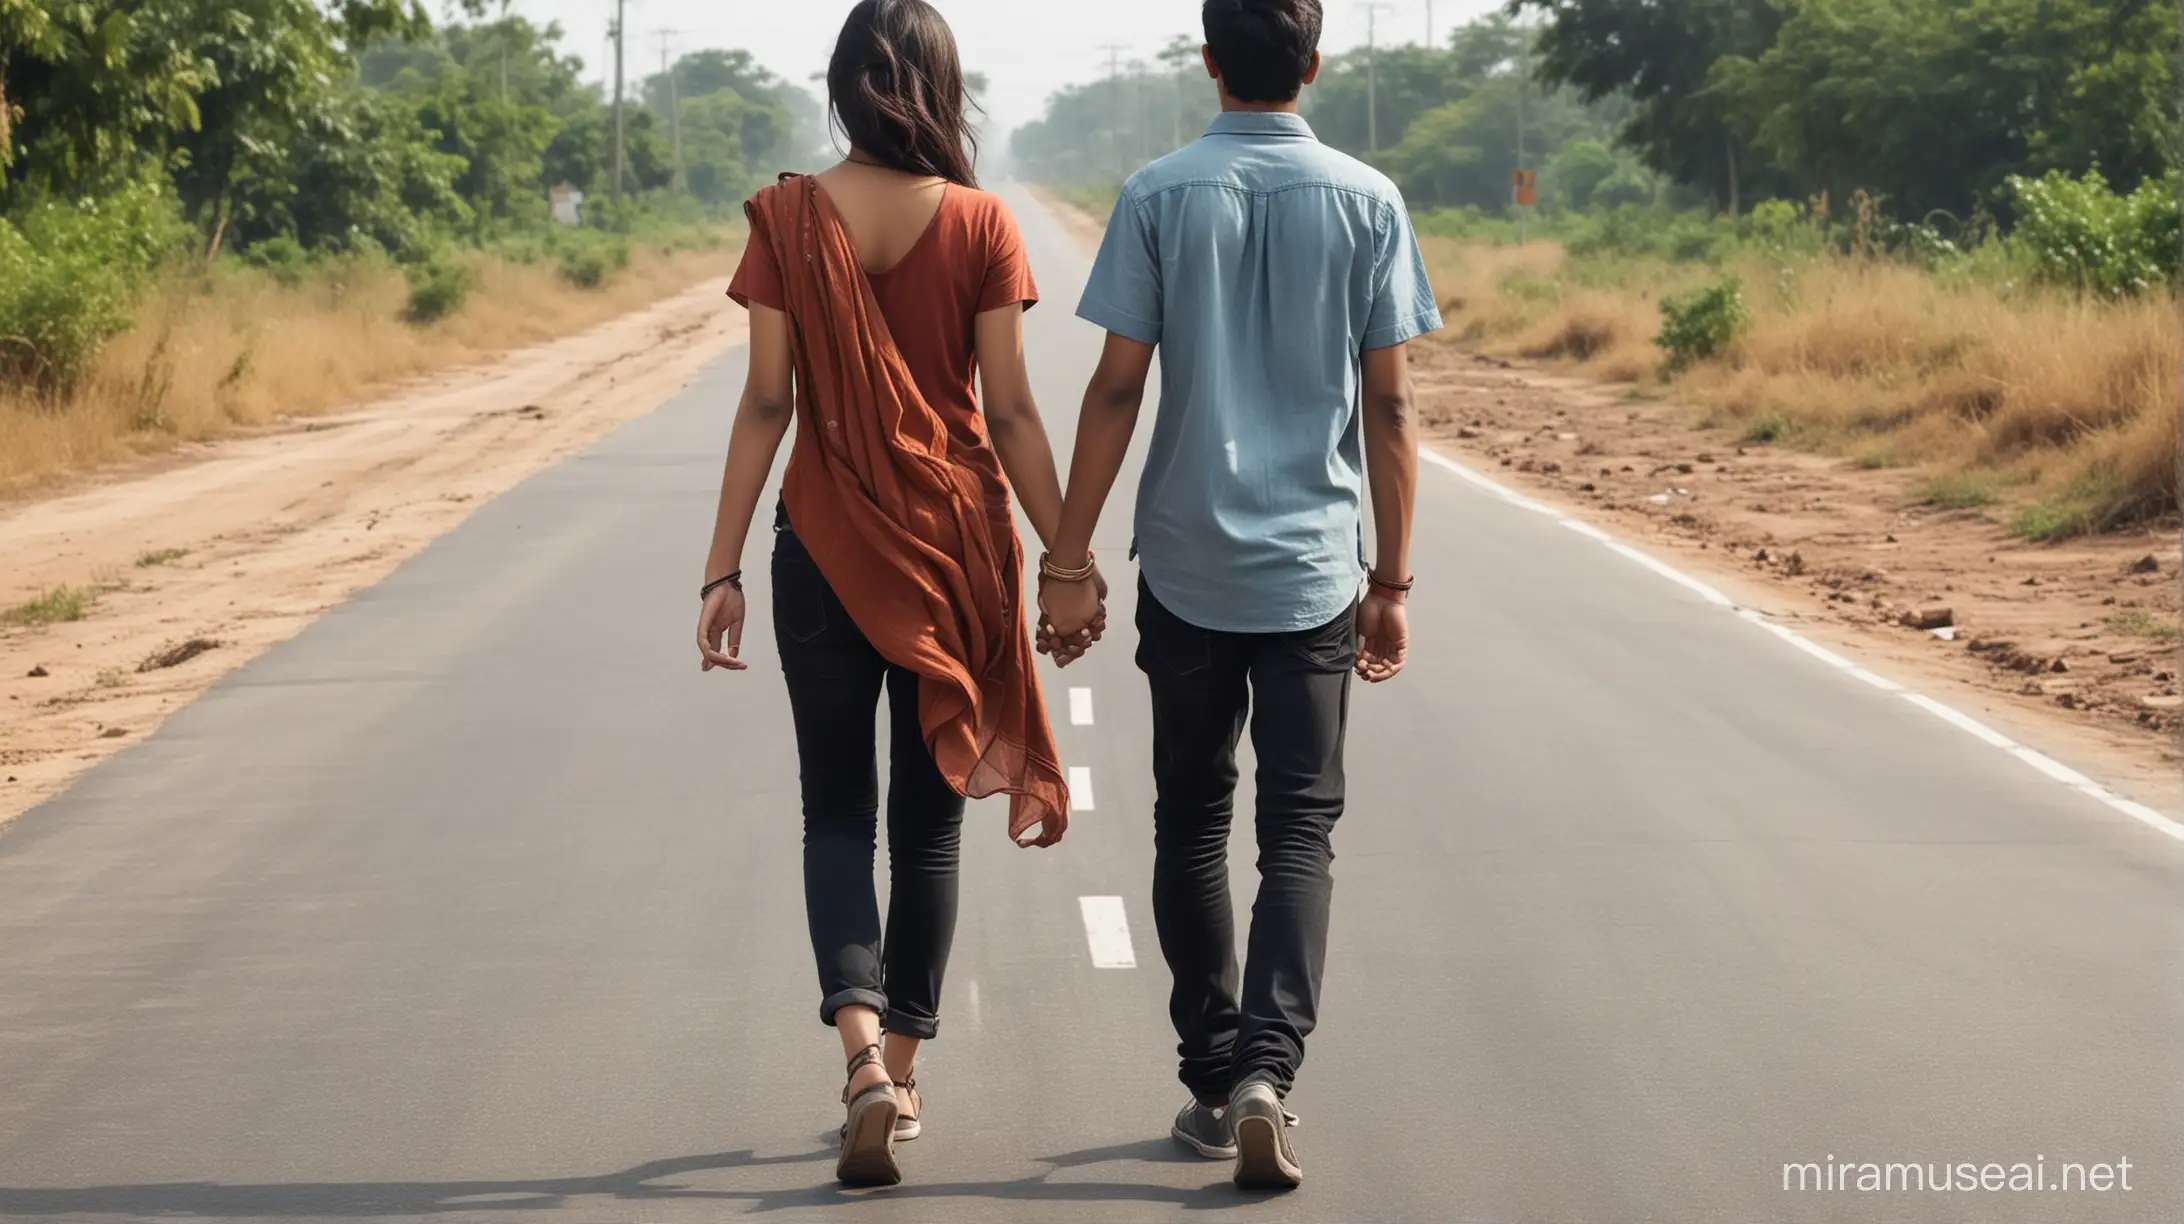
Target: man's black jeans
834, 677
1295, 689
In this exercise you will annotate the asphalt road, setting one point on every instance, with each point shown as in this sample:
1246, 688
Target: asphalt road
479, 898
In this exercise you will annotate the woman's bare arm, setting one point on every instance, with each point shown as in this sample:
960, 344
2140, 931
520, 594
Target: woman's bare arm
762, 420
1013, 421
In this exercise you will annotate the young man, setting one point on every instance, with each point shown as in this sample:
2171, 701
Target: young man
1280, 282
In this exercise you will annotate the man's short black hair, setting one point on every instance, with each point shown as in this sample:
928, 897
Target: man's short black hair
1263, 47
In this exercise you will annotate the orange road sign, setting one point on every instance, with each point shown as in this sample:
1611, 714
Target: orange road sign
1527, 184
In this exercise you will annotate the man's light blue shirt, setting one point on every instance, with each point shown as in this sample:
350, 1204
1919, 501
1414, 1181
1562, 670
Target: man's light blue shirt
1262, 264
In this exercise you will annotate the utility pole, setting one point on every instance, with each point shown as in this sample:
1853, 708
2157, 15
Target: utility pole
1372, 71
1524, 76
1429, 25
1139, 70
674, 104
620, 31
1114, 101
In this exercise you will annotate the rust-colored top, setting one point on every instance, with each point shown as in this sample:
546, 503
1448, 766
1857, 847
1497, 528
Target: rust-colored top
892, 485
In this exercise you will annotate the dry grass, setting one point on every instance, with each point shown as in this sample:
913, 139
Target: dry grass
2065, 408
213, 352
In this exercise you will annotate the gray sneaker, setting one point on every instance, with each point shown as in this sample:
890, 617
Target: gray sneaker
1264, 1158
1204, 1131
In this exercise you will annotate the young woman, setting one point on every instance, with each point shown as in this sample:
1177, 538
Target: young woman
877, 289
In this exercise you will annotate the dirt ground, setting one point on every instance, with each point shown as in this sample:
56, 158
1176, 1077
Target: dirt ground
2068, 647
197, 562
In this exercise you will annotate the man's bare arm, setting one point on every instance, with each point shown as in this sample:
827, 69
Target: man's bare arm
1104, 426
1391, 456
1391, 468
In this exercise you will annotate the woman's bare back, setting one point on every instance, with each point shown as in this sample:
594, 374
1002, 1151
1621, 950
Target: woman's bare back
885, 211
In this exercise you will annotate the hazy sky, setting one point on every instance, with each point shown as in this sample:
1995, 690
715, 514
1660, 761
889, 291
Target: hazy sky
1027, 47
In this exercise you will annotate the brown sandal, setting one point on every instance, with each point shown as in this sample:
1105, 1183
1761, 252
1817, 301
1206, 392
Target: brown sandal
868, 1132
909, 1106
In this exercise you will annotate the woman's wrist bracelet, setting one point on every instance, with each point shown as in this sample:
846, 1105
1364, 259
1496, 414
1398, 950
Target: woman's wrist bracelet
1400, 588
1047, 568
733, 580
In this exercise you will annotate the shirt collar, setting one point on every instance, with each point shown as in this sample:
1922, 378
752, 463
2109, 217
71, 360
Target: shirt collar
1261, 123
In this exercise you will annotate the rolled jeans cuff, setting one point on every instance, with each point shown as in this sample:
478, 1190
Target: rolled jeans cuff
903, 1024
855, 996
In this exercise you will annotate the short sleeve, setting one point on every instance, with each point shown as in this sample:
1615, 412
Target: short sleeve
1008, 268
1123, 294
1403, 308
758, 277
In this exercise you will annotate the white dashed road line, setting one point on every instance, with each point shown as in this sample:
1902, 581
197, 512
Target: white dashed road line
1107, 930
1080, 707
1956, 718
1080, 788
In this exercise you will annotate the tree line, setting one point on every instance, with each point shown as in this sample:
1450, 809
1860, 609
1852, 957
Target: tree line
1928, 106
287, 133
355, 122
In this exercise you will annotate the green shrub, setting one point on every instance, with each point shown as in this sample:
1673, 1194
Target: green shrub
2084, 235
1767, 430
437, 287
1962, 491
2050, 520
2138, 622
1629, 230
1699, 325
588, 263
282, 258
1782, 230
585, 267
57, 606
69, 274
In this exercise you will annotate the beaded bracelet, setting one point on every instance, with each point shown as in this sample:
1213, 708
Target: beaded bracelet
733, 580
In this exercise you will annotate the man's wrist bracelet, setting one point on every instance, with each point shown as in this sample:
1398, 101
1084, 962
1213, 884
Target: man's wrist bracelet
1047, 568
1400, 588
733, 580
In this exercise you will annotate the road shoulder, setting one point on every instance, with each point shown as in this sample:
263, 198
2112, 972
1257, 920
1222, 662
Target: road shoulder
185, 570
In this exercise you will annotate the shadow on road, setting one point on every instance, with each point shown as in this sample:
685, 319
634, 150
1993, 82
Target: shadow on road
369, 1199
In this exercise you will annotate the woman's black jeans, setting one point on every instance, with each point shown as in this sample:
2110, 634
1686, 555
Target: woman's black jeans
834, 678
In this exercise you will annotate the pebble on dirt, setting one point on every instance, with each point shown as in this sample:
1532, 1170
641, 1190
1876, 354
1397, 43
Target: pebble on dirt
1929, 618
39, 672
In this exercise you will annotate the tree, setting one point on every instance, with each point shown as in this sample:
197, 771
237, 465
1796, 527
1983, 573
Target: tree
1463, 153
83, 86
362, 172
1935, 104
1586, 173
272, 63
1660, 56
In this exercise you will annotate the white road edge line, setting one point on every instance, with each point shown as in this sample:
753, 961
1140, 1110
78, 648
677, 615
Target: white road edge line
1107, 930
1963, 722
1080, 707
1080, 788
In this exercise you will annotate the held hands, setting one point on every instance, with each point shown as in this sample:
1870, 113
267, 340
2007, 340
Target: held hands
1073, 615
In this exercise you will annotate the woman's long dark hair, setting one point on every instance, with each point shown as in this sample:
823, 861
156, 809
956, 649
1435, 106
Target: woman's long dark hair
896, 86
